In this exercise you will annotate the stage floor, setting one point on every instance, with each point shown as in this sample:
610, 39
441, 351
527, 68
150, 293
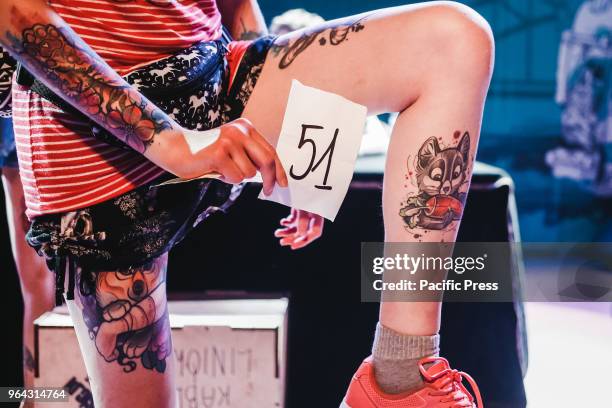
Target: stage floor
570, 354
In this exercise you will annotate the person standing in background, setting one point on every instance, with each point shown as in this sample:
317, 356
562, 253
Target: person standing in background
36, 281
584, 93
293, 20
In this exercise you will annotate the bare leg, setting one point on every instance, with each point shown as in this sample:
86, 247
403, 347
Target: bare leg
121, 321
35, 279
431, 62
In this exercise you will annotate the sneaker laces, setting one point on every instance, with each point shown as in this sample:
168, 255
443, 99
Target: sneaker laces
449, 384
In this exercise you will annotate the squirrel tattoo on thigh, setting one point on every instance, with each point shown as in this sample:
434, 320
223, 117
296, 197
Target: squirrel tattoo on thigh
441, 175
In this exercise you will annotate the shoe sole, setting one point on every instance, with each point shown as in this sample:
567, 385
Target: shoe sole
344, 404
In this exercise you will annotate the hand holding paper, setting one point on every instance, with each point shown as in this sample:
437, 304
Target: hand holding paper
318, 146
234, 152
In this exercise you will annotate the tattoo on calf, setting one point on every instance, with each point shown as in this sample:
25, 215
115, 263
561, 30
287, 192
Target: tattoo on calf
127, 315
441, 176
327, 35
83, 79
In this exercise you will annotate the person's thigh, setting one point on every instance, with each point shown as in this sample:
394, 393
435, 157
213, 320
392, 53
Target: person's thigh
121, 321
15, 205
36, 280
385, 59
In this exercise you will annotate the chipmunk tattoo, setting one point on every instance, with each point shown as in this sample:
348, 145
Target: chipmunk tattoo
441, 177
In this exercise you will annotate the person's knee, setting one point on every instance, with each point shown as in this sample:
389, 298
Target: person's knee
462, 38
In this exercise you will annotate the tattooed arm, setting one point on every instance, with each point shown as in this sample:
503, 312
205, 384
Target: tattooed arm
243, 18
57, 56
48, 48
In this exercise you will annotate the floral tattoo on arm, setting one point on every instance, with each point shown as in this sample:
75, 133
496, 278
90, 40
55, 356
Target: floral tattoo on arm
66, 64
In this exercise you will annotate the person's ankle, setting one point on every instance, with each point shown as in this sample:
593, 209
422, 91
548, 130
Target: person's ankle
396, 357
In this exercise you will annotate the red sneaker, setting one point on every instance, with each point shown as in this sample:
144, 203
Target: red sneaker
443, 389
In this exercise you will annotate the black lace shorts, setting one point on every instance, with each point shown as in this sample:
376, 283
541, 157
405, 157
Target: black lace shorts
131, 230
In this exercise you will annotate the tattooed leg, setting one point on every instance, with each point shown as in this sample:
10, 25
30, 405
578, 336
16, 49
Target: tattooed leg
121, 319
432, 63
288, 48
36, 280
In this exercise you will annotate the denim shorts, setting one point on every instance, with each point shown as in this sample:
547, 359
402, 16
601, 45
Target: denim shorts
8, 154
131, 230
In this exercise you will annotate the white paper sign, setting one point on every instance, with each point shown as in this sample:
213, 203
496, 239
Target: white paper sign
318, 146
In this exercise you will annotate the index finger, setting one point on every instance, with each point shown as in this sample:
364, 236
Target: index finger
281, 176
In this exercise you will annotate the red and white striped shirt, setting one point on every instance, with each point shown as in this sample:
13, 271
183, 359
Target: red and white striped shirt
63, 167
